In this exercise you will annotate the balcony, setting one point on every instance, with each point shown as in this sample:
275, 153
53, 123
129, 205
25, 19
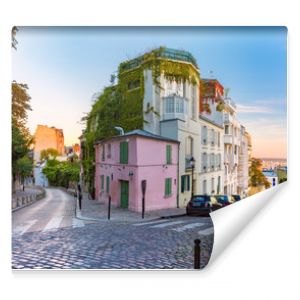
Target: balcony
228, 139
188, 164
174, 107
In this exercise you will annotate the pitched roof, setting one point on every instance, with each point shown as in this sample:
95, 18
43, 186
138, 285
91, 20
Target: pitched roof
142, 133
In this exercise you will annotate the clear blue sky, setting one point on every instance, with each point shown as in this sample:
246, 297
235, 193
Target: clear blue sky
65, 66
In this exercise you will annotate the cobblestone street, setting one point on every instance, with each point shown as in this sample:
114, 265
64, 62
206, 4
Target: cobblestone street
48, 238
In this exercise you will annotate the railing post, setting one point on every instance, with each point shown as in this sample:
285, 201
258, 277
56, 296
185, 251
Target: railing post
197, 253
109, 206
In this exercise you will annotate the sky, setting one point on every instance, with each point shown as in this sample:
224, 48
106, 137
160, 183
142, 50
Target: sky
65, 67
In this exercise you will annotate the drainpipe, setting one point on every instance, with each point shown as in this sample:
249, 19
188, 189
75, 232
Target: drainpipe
120, 129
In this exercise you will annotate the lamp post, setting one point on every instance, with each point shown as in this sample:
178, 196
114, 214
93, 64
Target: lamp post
192, 163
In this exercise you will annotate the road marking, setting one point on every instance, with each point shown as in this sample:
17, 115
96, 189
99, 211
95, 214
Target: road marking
53, 223
167, 224
189, 226
77, 223
150, 222
207, 231
22, 228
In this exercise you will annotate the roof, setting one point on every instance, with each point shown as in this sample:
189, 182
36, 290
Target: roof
163, 52
141, 133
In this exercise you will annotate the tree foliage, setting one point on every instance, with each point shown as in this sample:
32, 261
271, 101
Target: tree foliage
61, 173
257, 178
23, 168
49, 153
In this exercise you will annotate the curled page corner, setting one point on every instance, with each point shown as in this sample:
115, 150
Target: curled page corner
230, 221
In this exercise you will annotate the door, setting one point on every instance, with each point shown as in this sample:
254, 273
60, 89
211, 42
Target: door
124, 193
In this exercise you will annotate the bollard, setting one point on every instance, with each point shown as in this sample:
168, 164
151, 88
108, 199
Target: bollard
143, 207
109, 206
80, 198
197, 253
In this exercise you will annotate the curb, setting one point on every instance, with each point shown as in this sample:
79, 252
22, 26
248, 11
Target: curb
28, 200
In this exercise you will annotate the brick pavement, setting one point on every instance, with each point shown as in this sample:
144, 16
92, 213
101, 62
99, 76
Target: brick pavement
99, 211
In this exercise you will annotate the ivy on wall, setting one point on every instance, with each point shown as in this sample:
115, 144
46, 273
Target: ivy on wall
122, 104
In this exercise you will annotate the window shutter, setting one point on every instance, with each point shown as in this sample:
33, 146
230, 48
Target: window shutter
166, 187
107, 184
169, 154
124, 152
182, 184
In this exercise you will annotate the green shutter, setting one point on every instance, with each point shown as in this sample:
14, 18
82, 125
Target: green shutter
124, 152
168, 186
102, 182
188, 182
169, 154
107, 184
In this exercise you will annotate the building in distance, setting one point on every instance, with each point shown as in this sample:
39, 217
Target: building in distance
46, 137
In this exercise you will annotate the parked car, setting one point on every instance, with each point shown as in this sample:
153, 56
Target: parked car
235, 198
202, 205
223, 200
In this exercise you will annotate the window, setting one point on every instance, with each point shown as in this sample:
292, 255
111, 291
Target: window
235, 150
189, 147
204, 135
212, 186
133, 84
103, 153
212, 137
219, 185
169, 154
107, 184
109, 151
102, 182
168, 187
185, 183
169, 105
226, 129
124, 152
204, 162
204, 187
212, 161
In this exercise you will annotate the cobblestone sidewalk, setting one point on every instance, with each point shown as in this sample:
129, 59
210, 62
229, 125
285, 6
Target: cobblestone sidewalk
92, 209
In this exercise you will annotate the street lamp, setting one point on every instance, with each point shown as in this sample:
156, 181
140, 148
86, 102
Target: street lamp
192, 164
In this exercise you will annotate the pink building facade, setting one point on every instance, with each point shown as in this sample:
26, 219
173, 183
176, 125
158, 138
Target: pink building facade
124, 161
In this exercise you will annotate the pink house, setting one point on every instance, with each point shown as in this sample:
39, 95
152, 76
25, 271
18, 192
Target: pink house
124, 161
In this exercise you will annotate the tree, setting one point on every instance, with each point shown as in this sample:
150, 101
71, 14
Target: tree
20, 103
24, 168
49, 153
257, 177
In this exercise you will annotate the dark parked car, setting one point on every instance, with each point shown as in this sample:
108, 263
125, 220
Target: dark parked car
235, 198
202, 205
223, 200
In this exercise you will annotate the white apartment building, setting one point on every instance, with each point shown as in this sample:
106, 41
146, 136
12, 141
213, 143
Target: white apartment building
243, 164
177, 117
231, 148
211, 151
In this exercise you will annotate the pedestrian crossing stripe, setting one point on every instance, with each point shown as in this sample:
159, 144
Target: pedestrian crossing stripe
53, 223
22, 228
207, 231
189, 226
167, 224
150, 222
